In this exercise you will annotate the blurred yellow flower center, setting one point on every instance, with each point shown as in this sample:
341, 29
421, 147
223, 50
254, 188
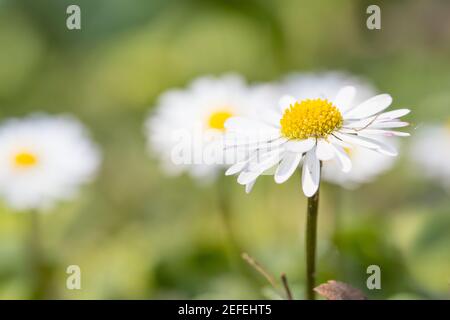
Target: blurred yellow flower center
217, 119
25, 160
310, 118
348, 151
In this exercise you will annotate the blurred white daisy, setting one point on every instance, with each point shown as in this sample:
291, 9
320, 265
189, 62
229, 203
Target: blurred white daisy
187, 127
431, 150
326, 85
366, 164
314, 129
44, 159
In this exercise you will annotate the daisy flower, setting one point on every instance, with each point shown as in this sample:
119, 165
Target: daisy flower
366, 164
44, 159
312, 130
186, 130
431, 151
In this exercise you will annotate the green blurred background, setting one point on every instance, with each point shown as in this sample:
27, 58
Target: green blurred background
137, 234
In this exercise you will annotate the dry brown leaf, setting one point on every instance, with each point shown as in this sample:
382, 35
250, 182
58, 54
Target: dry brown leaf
335, 290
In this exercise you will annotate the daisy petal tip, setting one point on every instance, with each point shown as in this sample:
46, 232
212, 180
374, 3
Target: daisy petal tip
249, 186
387, 96
279, 180
309, 192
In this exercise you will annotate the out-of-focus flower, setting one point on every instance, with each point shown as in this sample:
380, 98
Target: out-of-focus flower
44, 159
187, 128
314, 129
431, 151
326, 85
366, 165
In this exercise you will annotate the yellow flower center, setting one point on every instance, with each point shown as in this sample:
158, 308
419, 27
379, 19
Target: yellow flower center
310, 118
25, 159
217, 119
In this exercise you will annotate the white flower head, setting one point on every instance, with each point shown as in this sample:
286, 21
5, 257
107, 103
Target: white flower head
187, 128
312, 130
431, 151
44, 159
366, 163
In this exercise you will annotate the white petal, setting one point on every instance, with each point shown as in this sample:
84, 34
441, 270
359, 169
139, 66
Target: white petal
381, 118
369, 107
369, 143
343, 159
339, 142
384, 148
359, 124
287, 166
386, 133
285, 102
344, 98
358, 140
324, 150
300, 145
246, 177
236, 140
310, 174
348, 130
394, 114
249, 186
387, 149
237, 167
389, 124
266, 161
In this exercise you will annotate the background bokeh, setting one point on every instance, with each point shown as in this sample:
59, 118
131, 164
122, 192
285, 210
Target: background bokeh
137, 234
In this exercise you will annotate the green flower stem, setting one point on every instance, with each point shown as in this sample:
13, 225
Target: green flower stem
36, 259
311, 241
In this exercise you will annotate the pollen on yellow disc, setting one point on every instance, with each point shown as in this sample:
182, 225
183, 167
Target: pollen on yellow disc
217, 119
310, 118
25, 159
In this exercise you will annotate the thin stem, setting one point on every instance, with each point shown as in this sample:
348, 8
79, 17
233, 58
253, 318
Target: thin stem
311, 240
36, 259
34, 249
252, 262
286, 287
